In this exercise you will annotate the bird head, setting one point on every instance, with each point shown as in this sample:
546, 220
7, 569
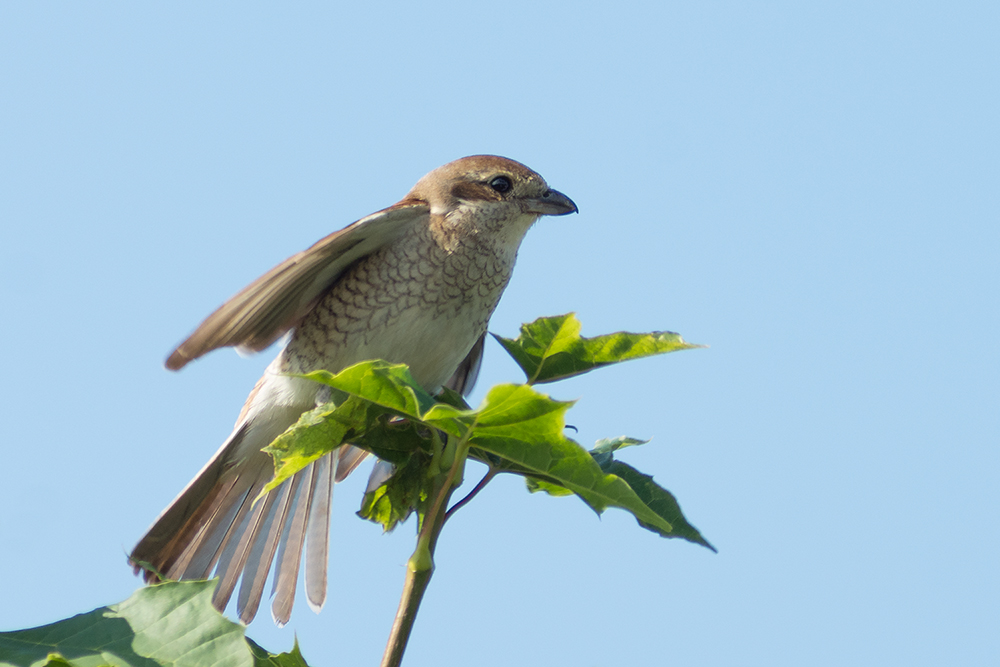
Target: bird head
490, 182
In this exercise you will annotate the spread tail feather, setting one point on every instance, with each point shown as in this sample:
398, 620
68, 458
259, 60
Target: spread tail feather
318, 530
215, 524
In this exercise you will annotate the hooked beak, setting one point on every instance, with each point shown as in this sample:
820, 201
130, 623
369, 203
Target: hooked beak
552, 202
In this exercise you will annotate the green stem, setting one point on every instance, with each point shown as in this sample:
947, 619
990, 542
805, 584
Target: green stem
472, 494
420, 567
417, 579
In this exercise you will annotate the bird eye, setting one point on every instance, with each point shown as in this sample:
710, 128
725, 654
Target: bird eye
501, 184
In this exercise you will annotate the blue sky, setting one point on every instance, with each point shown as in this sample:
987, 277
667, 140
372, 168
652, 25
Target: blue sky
808, 188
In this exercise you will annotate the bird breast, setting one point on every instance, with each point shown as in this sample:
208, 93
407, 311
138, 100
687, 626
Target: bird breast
418, 301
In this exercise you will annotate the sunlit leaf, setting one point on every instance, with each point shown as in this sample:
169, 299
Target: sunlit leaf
551, 348
316, 433
603, 451
369, 392
261, 658
525, 429
388, 385
168, 624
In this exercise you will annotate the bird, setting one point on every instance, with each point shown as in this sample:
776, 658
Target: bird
414, 283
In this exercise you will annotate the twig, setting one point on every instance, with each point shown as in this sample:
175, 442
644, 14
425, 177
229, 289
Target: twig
472, 494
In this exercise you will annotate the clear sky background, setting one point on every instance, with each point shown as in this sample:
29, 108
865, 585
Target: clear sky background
809, 188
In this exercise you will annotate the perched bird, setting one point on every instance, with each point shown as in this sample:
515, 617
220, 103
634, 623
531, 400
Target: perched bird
415, 283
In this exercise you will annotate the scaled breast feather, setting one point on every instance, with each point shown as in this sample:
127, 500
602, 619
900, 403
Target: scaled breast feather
271, 305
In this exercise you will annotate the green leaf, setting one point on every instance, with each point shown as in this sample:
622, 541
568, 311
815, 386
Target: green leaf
167, 624
608, 445
604, 448
516, 430
653, 496
536, 484
374, 390
453, 398
261, 658
388, 385
525, 429
518, 411
316, 433
56, 660
399, 496
602, 451
394, 440
659, 500
391, 386
551, 348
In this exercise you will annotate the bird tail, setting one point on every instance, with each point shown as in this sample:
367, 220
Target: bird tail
215, 524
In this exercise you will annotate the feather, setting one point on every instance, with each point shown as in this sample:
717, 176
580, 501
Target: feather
271, 305
465, 376
350, 458
264, 544
286, 570
318, 530
236, 546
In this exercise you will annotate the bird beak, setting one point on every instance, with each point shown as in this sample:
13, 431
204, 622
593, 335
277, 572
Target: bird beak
552, 202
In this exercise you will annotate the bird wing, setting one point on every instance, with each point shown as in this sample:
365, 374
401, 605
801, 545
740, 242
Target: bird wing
274, 303
465, 376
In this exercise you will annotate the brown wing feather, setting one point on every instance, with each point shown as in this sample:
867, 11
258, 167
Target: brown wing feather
271, 305
465, 376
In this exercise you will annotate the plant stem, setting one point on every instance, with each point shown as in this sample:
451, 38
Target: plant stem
413, 592
420, 567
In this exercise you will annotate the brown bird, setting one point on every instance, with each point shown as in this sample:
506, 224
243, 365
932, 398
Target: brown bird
415, 283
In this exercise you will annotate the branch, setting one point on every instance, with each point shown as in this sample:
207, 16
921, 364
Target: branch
413, 593
420, 567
